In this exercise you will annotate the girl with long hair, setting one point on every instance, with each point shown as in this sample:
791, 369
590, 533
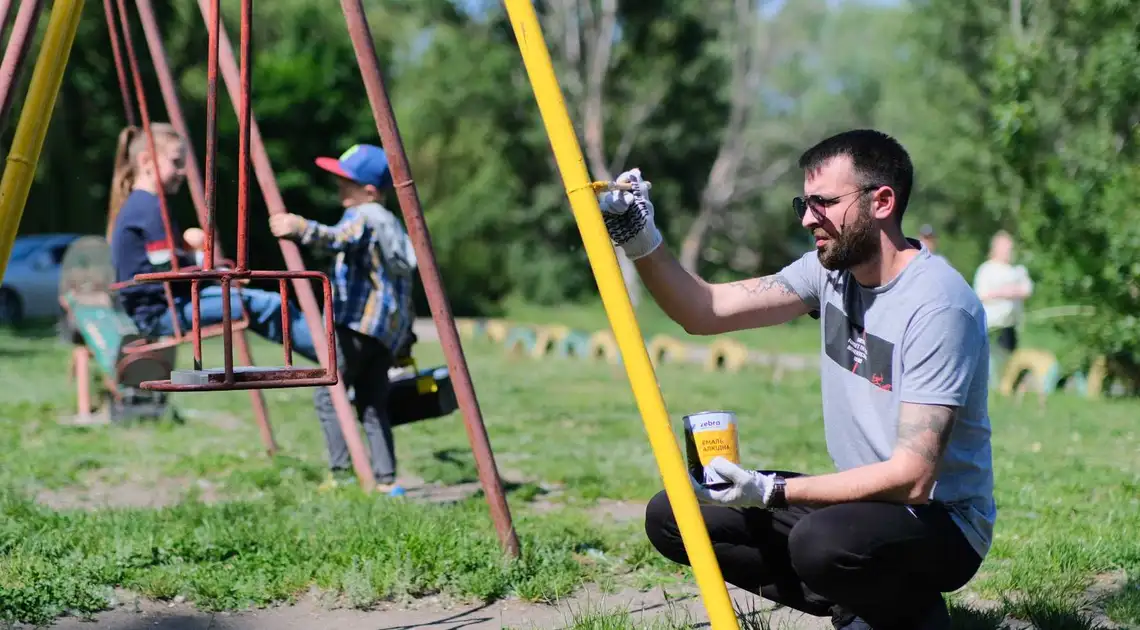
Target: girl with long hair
139, 244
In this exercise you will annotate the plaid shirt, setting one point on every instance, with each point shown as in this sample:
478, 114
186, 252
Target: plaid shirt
373, 272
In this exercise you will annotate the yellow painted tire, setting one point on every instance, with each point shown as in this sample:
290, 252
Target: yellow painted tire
602, 345
496, 330
1098, 376
547, 339
1040, 365
726, 355
466, 327
665, 349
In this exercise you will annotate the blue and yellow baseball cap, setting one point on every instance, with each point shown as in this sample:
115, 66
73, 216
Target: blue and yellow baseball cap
362, 163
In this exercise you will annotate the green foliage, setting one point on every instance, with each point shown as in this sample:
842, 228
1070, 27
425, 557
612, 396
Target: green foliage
1030, 129
1041, 140
1065, 108
481, 160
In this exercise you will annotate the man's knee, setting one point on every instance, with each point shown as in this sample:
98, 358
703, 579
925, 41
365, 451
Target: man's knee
821, 552
818, 553
662, 531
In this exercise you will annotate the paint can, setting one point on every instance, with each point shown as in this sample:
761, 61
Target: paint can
710, 434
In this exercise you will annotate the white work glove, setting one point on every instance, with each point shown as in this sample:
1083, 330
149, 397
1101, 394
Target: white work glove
749, 488
629, 217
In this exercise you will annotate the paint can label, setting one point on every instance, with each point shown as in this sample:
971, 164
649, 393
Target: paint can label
710, 434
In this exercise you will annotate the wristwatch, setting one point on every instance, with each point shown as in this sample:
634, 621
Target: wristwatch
778, 500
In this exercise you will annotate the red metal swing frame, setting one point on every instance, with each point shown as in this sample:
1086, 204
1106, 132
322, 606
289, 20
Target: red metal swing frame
256, 379
228, 377
200, 332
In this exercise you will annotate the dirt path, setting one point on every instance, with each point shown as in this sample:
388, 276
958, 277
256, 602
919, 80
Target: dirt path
432, 614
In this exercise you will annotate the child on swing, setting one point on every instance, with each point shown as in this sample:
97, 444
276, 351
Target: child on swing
372, 277
138, 240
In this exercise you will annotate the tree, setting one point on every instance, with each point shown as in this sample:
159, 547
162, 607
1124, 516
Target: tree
798, 72
745, 160
649, 85
1067, 126
612, 88
1037, 100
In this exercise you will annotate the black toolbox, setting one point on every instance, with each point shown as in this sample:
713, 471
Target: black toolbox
417, 395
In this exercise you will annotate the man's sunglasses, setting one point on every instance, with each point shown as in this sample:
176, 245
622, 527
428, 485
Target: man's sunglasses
817, 203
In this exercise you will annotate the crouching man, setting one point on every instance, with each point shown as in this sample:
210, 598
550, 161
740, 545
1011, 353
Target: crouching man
909, 512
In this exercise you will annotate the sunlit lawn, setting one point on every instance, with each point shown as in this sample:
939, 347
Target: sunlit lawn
564, 431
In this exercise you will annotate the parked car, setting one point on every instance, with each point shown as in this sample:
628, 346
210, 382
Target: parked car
30, 289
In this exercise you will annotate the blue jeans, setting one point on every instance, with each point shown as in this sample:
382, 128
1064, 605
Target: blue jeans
263, 307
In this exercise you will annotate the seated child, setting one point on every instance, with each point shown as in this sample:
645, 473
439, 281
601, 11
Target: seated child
137, 236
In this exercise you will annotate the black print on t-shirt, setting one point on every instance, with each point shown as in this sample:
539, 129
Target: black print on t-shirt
858, 351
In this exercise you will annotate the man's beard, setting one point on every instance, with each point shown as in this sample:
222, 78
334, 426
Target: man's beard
858, 243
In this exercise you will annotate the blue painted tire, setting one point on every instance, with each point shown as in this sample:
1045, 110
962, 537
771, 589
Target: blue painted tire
520, 340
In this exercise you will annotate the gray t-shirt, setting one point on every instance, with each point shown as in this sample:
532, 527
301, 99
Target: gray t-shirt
921, 338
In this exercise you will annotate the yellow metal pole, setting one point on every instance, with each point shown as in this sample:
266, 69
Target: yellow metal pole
619, 310
35, 116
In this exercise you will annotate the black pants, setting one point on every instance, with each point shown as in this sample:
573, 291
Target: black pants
879, 561
363, 363
1006, 338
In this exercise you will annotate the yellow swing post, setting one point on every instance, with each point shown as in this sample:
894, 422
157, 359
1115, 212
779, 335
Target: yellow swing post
35, 116
603, 262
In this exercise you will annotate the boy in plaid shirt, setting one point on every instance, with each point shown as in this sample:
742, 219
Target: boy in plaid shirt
372, 280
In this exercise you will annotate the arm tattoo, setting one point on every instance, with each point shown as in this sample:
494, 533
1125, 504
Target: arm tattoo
925, 430
765, 284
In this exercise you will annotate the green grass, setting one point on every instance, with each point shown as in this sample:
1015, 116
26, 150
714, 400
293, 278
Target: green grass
259, 551
1126, 604
564, 431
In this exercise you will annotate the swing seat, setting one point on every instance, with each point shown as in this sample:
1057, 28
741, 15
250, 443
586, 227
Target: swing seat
244, 377
94, 321
232, 377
